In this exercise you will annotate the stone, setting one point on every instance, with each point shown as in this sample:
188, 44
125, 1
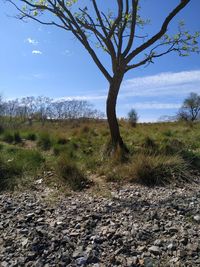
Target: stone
197, 218
155, 250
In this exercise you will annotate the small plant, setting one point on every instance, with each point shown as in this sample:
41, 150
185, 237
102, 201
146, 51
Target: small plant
31, 136
85, 129
1, 129
17, 137
149, 145
18, 166
44, 141
133, 117
62, 141
9, 171
171, 146
71, 174
8, 137
158, 170
168, 133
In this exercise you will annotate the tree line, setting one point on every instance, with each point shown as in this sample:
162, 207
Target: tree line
43, 108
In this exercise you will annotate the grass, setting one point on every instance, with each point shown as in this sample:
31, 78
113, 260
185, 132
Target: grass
70, 173
18, 166
160, 153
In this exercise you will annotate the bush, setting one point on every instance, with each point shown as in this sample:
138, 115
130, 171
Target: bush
31, 160
44, 141
71, 174
9, 171
1, 129
17, 137
62, 141
150, 145
133, 117
31, 136
16, 166
8, 137
158, 170
172, 146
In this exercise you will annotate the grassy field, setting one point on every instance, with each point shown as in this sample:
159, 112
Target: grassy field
68, 154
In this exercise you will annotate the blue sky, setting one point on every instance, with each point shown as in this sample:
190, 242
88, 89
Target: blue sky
41, 60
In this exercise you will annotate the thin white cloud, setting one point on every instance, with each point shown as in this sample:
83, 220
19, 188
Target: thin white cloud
162, 84
154, 105
37, 52
87, 98
67, 53
32, 41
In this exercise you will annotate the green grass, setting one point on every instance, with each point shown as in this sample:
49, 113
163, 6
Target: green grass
18, 166
70, 173
160, 153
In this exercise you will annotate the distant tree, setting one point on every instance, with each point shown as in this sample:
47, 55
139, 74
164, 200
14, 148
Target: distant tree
133, 117
117, 32
2, 107
190, 110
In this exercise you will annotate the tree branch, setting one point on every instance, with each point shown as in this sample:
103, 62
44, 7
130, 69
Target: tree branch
162, 31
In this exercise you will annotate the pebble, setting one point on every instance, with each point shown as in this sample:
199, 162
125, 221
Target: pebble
136, 226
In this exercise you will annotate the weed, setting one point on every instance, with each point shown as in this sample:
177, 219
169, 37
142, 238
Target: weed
44, 141
8, 137
31, 136
17, 137
71, 174
1, 129
62, 141
149, 145
158, 170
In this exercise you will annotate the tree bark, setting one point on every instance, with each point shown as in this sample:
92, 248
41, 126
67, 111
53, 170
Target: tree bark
116, 139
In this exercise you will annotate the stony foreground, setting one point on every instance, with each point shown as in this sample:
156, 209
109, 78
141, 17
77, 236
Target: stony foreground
137, 226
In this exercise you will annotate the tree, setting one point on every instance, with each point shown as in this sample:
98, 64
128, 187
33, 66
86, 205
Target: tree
118, 34
133, 117
190, 110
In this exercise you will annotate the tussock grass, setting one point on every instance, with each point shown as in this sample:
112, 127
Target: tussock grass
18, 165
44, 141
70, 173
160, 153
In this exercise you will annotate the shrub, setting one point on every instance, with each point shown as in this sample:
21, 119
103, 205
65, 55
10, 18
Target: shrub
158, 170
44, 141
8, 137
149, 144
71, 174
31, 160
133, 117
17, 137
1, 129
31, 136
62, 141
9, 171
16, 166
172, 146
168, 133
192, 158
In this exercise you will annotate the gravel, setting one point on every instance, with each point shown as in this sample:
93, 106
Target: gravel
136, 226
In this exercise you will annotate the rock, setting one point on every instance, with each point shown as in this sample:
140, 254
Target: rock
171, 246
139, 226
78, 253
81, 261
155, 250
197, 218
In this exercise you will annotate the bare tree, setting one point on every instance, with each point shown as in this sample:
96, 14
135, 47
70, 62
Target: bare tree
190, 110
118, 33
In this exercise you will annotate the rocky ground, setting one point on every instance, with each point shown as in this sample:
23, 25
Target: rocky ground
136, 226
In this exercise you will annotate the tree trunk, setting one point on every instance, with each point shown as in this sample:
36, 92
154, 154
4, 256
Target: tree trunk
116, 139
